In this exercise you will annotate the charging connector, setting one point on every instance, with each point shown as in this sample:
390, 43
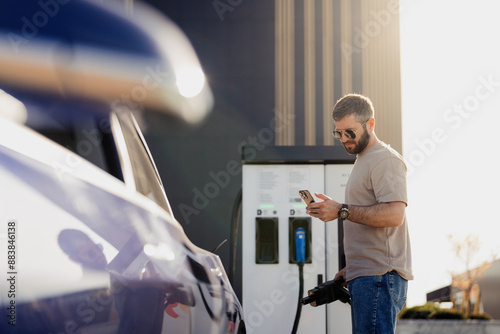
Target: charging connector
300, 257
328, 292
302, 224
300, 245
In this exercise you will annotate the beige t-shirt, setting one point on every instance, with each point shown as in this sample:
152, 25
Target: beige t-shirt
378, 176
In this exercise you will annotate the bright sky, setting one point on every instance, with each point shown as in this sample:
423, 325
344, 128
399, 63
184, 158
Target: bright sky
451, 116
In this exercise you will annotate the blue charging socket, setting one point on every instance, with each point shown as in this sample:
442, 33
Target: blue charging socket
300, 245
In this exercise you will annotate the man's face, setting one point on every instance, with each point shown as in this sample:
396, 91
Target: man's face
362, 136
90, 255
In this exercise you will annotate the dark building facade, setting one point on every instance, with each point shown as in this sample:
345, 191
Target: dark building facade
276, 69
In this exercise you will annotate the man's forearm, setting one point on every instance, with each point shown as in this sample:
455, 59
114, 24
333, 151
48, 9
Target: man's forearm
378, 215
389, 214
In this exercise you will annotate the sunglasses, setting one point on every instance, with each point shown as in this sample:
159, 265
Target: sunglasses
350, 134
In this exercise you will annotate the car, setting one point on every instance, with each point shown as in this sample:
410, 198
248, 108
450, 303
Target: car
89, 242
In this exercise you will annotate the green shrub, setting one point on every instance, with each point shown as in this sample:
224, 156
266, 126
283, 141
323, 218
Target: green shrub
480, 316
446, 315
419, 312
414, 314
433, 312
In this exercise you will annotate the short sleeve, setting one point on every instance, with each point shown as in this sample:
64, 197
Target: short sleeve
388, 180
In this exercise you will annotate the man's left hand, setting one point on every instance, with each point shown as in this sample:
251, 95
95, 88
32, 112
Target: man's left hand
326, 210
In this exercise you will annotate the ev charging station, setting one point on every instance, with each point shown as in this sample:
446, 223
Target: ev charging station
274, 217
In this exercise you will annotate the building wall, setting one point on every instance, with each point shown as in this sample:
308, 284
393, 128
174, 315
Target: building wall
325, 49
276, 69
490, 290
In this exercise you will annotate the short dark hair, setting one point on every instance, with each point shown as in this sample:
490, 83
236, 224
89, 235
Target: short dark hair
353, 104
70, 240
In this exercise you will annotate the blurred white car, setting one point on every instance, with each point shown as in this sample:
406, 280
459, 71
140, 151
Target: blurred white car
88, 242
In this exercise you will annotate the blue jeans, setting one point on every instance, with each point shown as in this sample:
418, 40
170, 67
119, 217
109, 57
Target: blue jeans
376, 301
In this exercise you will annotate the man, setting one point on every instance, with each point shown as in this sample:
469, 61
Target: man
376, 238
81, 249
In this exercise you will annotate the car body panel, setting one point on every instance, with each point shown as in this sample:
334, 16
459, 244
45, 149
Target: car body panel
90, 242
148, 259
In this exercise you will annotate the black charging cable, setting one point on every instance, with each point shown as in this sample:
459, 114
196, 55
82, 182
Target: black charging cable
301, 291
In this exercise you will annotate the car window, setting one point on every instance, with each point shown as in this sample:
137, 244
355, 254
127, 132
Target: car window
82, 127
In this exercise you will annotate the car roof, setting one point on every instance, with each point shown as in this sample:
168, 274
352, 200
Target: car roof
101, 52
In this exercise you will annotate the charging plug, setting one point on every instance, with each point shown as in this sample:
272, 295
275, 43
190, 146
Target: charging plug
299, 240
300, 245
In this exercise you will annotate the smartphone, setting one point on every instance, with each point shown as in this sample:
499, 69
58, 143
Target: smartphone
306, 196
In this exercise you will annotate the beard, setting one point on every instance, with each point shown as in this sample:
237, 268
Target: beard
359, 146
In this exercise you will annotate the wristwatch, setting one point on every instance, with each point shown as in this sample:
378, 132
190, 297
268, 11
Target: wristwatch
344, 212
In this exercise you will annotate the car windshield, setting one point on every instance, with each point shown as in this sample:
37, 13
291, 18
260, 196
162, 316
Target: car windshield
112, 141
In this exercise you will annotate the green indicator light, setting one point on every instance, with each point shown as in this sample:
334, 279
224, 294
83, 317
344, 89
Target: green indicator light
267, 206
299, 206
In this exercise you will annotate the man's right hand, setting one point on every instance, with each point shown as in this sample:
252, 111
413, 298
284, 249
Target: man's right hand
342, 274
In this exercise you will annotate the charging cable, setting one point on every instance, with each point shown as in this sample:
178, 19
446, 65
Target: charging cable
300, 257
